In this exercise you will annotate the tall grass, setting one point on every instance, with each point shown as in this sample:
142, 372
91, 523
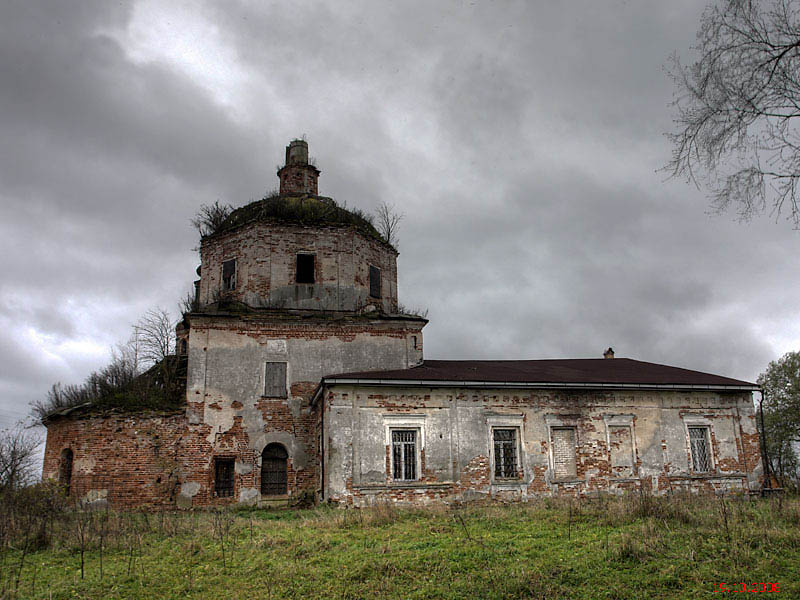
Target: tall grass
620, 547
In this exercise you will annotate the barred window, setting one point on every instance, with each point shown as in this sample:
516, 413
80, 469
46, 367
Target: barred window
505, 453
404, 454
229, 274
701, 458
564, 463
223, 477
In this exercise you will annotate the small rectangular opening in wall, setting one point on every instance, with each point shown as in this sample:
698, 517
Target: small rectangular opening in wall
701, 457
374, 282
404, 454
223, 477
229, 274
275, 379
564, 463
305, 268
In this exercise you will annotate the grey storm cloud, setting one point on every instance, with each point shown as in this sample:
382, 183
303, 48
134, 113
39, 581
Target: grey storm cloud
520, 140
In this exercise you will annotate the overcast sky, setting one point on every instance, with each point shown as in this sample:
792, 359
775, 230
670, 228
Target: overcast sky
520, 139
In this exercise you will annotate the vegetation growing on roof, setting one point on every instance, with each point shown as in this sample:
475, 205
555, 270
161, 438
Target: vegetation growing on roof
144, 374
301, 210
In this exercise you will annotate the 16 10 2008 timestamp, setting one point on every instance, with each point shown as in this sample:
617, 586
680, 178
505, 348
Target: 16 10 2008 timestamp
742, 586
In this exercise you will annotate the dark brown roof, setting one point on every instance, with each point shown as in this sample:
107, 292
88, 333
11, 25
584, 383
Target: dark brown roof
582, 372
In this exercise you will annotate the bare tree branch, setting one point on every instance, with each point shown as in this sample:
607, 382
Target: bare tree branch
388, 222
210, 217
737, 108
18, 455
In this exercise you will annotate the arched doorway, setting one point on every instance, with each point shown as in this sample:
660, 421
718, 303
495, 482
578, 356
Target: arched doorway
273, 470
65, 469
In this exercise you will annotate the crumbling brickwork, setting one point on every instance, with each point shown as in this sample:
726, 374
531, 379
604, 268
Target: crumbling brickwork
266, 263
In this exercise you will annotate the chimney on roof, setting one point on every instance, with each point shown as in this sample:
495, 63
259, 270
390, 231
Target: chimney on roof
297, 176
609, 353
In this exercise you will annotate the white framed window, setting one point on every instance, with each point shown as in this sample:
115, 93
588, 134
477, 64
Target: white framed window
405, 439
698, 444
404, 455
505, 450
699, 449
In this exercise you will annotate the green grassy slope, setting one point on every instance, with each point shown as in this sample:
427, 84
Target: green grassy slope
605, 548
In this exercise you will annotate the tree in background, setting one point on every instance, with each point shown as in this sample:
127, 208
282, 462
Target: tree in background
18, 458
738, 108
781, 402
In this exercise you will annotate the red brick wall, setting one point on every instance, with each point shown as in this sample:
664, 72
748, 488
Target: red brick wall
266, 254
129, 460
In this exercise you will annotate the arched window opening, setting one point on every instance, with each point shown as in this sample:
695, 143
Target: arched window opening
273, 470
65, 469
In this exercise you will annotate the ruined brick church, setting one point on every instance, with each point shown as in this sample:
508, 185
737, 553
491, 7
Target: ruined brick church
304, 380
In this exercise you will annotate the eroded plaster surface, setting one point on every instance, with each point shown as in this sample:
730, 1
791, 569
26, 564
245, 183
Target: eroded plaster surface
623, 441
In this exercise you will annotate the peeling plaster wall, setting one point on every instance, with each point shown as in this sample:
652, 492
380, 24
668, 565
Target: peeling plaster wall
228, 414
457, 452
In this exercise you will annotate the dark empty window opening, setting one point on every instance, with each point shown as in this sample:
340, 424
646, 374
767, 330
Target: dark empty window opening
414, 341
505, 453
374, 282
305, 268
229, 274
701, 460
404, 454
65, 469
273, 470
223, 477
275, 379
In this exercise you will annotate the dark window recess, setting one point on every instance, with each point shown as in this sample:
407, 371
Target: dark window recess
275, 379
273, 470
229, 274
404, 453
305, 268
223, 477
505, 453
698, 437
374, 282
65, 469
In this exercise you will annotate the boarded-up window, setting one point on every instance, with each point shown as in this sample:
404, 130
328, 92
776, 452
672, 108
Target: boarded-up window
404, 454
305, 268
229, 274
621, 449
275, 379
374, 282
701, 459
564, 464
223, 477
505, 453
